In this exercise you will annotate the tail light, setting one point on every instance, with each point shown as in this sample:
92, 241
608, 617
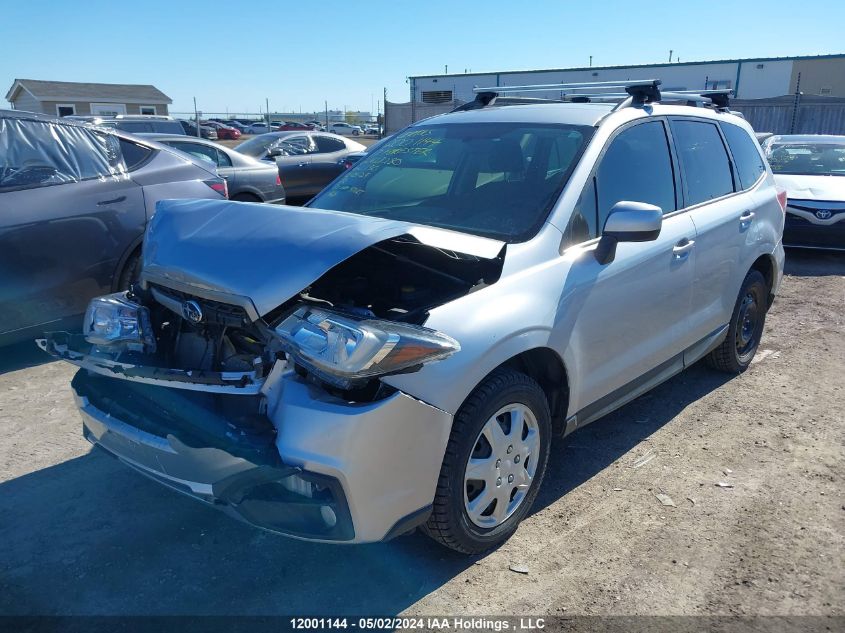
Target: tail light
782, 199
278, 180
219, 185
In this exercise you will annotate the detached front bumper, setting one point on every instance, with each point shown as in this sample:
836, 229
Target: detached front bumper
316, 468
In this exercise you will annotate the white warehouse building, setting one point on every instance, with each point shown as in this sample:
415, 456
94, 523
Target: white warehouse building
759, 78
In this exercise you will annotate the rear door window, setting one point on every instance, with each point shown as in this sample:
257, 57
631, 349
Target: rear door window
133, 154
197, 150
704, 160
749, 164
326, 144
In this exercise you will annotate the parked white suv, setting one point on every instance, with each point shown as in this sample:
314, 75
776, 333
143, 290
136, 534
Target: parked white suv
400, 353
346, 129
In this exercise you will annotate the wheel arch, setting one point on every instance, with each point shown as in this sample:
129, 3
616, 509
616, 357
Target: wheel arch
133, 248
765, 265
544, 365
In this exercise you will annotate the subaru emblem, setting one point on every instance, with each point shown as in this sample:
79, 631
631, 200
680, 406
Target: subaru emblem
823, 214
191, 311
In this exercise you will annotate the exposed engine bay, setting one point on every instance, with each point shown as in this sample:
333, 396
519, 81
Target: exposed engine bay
399, 280
208, 344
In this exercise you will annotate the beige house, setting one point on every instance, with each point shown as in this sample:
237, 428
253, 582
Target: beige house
65, 98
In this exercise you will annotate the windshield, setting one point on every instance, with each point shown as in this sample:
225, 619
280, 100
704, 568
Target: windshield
819, 159
497, 180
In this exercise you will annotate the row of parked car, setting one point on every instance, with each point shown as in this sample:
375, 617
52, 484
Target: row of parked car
220, 129
76, 196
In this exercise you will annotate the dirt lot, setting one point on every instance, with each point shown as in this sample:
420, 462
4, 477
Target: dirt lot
81, 534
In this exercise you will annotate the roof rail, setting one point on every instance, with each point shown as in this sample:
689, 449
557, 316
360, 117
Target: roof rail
637, 92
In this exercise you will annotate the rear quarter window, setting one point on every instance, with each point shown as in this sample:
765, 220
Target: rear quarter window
747, 160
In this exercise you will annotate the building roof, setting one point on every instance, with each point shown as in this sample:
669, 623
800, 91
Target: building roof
659, 65
72, 91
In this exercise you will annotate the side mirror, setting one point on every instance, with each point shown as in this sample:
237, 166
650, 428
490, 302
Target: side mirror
628, 222
276, 151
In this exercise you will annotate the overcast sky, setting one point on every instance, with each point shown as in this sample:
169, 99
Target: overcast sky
232, 55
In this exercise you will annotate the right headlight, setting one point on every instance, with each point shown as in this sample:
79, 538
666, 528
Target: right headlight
344, 350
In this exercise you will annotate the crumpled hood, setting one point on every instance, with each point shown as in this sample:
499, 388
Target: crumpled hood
824, 188
269, 253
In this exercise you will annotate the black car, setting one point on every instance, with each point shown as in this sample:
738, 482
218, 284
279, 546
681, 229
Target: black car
190, 128
307, 161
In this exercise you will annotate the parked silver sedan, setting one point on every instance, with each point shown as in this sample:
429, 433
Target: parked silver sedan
248, 179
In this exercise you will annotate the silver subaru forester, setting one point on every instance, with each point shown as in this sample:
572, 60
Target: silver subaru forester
400, 352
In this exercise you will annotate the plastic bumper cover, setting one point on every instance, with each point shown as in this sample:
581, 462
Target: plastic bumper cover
330, 470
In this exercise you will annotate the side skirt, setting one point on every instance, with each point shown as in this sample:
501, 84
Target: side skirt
637, 387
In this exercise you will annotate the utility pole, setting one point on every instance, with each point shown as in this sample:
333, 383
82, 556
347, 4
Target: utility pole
591, 61
795, 104
326, 103
267, 108
670, 55
446, 69
383, 129
197, 117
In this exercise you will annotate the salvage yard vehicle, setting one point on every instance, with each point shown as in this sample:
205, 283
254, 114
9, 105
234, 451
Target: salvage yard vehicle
247, 179
74, 201
400, 352
811, 168
307, 161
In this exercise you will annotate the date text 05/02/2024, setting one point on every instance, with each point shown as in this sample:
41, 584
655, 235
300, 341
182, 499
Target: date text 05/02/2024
421, 623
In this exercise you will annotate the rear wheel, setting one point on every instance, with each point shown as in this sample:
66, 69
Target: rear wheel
245, 197
746, 328
494, 463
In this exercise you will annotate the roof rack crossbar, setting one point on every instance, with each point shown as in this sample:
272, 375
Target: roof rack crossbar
636, 93
570, 86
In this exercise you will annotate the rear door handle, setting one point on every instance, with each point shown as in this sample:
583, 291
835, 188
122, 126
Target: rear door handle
682, 249
103, 203
746, 217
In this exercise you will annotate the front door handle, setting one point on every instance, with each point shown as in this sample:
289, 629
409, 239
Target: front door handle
682, 249
746, 217
103, 203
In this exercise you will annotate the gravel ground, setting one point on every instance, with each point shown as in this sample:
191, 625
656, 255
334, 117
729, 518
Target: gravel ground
81, 534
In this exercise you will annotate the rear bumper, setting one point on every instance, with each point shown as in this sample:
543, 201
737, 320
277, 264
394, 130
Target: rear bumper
313, 468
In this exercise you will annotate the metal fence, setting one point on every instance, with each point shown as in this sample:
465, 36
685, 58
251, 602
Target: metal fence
794, 114
401, 115
790, 114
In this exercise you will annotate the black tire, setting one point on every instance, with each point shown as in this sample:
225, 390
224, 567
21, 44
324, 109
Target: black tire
736, 351
131, 271
246, 197
449, 523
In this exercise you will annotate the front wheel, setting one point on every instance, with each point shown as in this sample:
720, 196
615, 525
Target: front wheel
746, 327
494, 463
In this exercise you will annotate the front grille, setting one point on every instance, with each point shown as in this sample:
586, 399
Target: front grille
212, 311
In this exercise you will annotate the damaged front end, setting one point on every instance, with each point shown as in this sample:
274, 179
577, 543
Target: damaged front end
274, 408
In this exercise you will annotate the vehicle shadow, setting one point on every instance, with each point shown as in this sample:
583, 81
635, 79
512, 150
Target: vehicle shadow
90, 536
808, 263
22, 355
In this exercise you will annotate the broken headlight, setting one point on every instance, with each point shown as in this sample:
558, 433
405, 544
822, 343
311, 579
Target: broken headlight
344, 350
114, 319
